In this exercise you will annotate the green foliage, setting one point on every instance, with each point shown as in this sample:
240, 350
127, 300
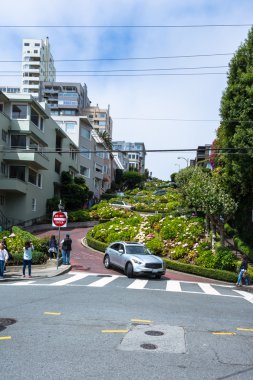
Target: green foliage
96, 244
230, 232
78, 216
205, 272
52, 204
132, 179
243, 247
222, 258
37, 258
155, 246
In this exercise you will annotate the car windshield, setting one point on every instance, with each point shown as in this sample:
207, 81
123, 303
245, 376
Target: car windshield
137, 250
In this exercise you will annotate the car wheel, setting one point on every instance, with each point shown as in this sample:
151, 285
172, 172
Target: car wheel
129, 270
107, 263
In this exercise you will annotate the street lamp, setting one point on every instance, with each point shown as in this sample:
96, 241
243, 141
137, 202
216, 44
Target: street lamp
178, 166
183, 158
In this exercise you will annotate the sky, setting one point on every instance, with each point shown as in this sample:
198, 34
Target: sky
164, 104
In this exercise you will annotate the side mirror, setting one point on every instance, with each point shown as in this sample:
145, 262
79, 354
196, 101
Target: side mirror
121, 251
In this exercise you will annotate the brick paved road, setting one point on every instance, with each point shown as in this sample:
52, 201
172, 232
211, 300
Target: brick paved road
86, 259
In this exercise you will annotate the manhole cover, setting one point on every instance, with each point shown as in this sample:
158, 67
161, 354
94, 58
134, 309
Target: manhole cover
149, 346
7, 321
154, 333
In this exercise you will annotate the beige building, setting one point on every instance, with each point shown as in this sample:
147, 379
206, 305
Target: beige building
99, 118
34, 152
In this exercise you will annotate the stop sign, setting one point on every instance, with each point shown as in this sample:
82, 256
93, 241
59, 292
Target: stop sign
59, 219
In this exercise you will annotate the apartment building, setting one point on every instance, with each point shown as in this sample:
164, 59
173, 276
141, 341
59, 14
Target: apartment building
65, 98
37, 65
34, 153
136, 154
100, 119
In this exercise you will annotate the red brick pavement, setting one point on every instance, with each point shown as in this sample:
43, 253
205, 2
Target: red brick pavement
85, 259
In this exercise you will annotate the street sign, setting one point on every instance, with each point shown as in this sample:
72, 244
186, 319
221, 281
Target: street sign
59, 219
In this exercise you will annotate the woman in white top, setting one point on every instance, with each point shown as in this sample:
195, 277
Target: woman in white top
3, 259
28, 248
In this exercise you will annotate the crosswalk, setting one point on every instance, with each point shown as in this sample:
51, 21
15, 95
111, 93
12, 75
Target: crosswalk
96, 280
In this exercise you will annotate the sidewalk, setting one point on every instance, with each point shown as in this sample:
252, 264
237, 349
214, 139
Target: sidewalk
14, 273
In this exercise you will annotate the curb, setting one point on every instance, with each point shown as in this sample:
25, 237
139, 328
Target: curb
56, 273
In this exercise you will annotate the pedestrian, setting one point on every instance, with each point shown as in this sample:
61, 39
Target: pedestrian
53, 248
242, 271
28, 248
3, 259
66, 248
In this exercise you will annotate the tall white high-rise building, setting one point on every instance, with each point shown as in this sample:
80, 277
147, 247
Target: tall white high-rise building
37, 65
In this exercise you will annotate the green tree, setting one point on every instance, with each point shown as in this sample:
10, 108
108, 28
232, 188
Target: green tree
74, 192
132, 179
236, 134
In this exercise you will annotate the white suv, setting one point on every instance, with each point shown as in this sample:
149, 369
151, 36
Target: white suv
122, 204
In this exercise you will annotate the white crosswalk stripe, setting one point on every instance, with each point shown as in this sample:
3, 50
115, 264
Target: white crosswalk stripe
84, 279
66, 281
208, 289
173, 286
138, 284
103, 281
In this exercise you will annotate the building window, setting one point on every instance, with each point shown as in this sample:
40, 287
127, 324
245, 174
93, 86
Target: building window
4, 135
32, 177
99, 168
1, 107
39, 180
58, 144
85, 152
85, 133
19, 111
2, 200
37, 44
34, 204
85, 171
26, 44
35, 117
17, 172
73, 153
102, 115
35, 51
18, 141
70, 126
57, 166
3, 168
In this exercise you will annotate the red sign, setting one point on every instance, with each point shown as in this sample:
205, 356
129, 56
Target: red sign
59, 219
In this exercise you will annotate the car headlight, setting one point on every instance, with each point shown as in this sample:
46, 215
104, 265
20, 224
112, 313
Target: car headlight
137, 261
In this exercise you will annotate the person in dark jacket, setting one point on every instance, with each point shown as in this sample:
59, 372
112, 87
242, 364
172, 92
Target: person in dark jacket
53, 247
66, 247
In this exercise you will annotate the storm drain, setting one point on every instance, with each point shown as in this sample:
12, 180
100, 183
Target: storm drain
4, 322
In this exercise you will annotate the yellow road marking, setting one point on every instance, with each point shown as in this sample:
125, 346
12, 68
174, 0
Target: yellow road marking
224, 333
5, 337
141, 320
242, 329
114, 331
51, 313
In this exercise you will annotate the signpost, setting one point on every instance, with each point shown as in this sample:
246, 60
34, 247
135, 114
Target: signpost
59, 219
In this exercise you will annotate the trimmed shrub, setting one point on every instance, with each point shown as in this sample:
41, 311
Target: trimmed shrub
93, 243
230, 232
79, 216
216, 274
155, 246
37, 258
243, 247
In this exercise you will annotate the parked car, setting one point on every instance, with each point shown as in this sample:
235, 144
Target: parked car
122, 204
160, 192
133, 258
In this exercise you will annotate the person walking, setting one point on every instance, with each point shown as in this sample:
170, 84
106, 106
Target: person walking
3, 259
28, 248
66, 248
242, 271
53, 248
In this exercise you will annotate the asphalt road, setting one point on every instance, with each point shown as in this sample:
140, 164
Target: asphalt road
76, 331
